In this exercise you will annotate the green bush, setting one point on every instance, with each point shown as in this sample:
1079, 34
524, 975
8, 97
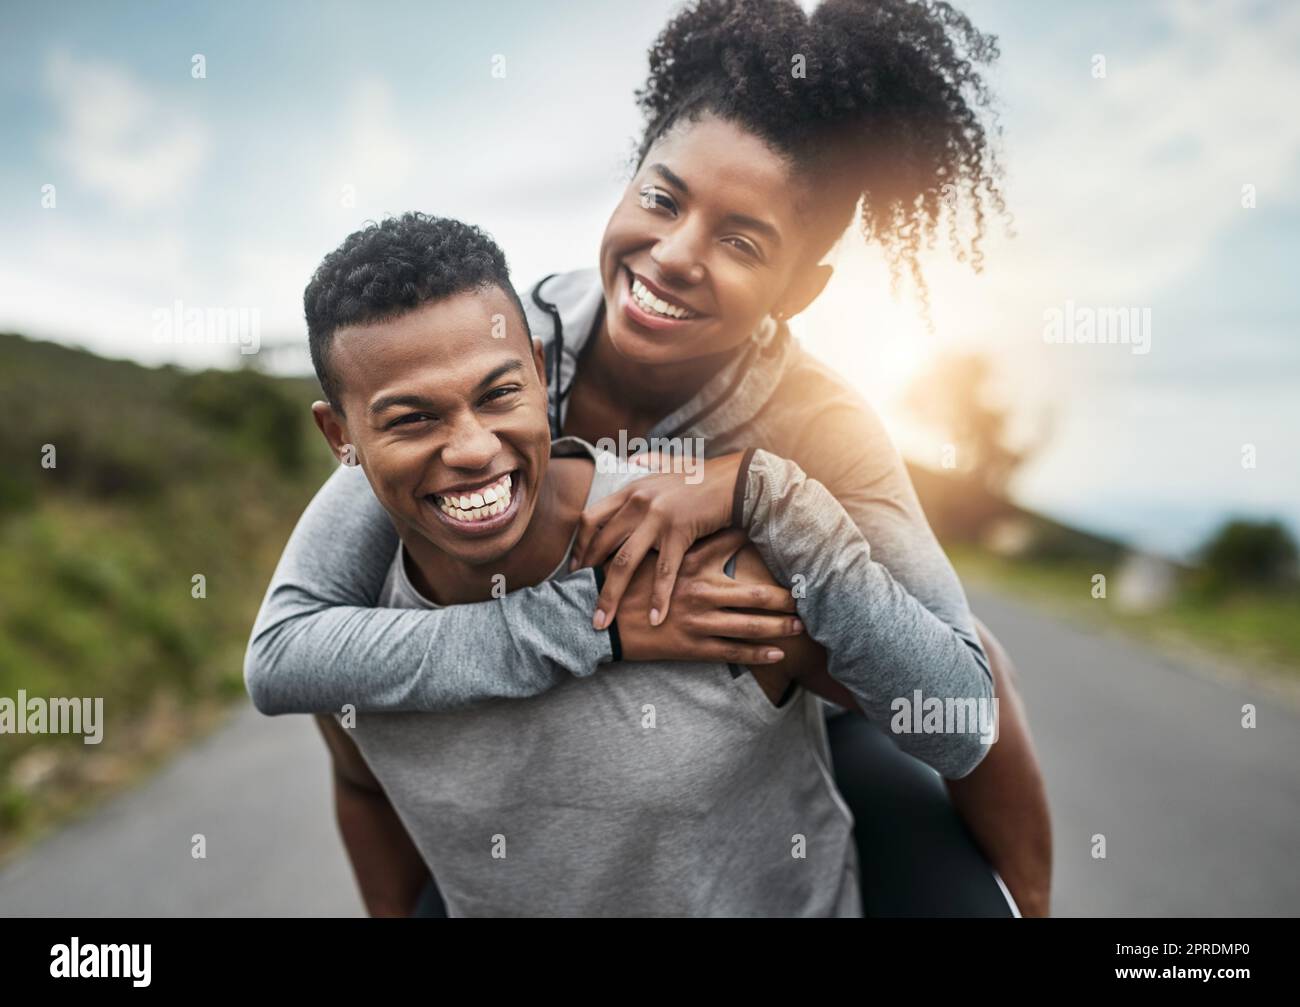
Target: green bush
1247, 554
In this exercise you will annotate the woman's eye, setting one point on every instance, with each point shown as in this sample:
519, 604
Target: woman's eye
747, 247
652, 198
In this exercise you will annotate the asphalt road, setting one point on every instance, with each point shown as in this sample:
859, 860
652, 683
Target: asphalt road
1201, 816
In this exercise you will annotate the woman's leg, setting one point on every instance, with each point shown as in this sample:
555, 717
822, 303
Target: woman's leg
430, 904
916, 858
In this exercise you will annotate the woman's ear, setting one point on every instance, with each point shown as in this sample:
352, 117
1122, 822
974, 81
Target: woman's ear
807, 284
335, 432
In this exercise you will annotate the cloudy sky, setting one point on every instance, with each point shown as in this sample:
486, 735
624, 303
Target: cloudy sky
224, 190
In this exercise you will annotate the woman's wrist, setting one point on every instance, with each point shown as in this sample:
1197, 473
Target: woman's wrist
740, 488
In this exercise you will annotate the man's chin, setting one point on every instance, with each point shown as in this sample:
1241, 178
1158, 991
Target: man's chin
485, 551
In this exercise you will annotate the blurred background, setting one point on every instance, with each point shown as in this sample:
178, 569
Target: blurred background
166, 159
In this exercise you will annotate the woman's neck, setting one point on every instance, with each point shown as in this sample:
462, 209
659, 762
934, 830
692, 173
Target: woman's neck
637, 396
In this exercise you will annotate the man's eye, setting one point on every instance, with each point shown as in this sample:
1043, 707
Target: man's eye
497, 394
409, 418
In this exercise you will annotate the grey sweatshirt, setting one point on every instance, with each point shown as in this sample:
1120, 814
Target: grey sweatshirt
876, 589
658, 789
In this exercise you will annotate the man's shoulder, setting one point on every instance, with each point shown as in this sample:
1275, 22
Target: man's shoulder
398, 590
612, 472
575, 471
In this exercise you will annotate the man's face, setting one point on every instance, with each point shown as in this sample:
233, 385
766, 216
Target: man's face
446, 408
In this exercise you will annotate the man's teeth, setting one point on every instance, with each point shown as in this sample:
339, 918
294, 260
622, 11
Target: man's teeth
647, 301
481, 503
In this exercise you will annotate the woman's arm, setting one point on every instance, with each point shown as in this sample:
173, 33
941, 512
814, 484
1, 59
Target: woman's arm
1004, 801
805, 660
842, 445
885, 641
884, 644
318, 642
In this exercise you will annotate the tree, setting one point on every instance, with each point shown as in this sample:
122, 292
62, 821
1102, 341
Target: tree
1250, 553
955, 397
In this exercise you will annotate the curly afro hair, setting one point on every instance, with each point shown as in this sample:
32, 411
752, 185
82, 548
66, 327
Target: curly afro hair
387, 269
888, 113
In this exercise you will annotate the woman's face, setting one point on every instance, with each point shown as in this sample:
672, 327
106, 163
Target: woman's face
702, 246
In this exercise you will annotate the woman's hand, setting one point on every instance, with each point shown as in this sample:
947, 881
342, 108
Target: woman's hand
661, 512
706, 624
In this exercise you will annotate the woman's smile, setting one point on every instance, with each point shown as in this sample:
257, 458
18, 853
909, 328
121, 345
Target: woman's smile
643, 306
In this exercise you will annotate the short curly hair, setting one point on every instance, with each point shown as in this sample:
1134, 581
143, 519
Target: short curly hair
389, 268
889, 110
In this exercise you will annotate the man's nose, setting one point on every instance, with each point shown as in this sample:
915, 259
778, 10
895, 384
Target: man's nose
472, 445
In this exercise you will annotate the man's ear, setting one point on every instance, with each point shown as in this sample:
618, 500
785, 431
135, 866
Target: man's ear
539, 361
335, 432
807, 284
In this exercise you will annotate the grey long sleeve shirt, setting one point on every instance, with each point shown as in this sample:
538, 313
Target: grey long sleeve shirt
879, 593
883, 644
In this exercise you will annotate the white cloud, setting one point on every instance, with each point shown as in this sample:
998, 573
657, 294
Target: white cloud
376, 152
1122, 188
119, 139
1135, 176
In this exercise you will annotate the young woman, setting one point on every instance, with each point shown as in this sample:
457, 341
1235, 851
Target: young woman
765, 128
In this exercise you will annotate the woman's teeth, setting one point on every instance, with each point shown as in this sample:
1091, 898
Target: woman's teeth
482, 503
647, 301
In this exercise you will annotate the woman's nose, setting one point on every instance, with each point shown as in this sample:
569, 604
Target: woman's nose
677, 255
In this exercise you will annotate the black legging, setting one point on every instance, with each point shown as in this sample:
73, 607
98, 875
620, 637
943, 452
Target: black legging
915, 856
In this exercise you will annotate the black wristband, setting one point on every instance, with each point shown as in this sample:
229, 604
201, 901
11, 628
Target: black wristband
615, 645
738, 496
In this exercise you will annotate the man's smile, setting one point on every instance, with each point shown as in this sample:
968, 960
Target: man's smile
485, 507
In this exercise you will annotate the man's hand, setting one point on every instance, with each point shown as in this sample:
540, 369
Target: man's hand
705, 623
805, 659
660, 512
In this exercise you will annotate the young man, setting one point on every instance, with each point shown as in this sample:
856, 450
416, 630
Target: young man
652, 789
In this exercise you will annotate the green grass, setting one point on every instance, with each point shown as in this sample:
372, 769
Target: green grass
159, 475
1252, 627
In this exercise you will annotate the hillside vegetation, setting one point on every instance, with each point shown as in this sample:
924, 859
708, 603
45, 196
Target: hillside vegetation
158, 475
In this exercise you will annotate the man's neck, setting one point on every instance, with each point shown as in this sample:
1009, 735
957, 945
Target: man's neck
561, 497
